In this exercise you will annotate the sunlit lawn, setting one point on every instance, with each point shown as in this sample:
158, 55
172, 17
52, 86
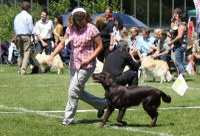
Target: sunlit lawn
22, 96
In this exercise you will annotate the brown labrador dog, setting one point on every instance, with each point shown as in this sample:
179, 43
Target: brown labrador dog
122, 97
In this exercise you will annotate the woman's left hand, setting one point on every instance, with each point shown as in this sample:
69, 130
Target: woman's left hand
86, 61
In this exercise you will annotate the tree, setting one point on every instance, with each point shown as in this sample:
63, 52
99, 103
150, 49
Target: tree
100, 6
8, 13
7, 16
57, 8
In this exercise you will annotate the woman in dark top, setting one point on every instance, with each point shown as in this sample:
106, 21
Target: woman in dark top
105, 33
179, 40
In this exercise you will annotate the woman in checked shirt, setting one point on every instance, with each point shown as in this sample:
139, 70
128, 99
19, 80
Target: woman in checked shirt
85, 45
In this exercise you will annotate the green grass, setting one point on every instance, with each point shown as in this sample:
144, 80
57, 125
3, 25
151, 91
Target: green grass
21, 96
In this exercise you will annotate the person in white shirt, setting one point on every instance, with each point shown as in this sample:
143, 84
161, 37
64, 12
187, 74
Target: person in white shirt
116, 33
23, 27
133, 43
44, 30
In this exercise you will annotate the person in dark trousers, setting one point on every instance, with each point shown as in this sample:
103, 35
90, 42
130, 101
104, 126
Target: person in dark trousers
116, 62
44, 30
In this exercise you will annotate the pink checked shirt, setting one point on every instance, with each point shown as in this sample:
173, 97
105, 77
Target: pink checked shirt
81, 45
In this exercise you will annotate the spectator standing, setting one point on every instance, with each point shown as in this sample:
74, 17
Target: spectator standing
116, 62
58, 35
191, 33
179, 40
105, 32
174, 21
86, 44
58, 31
44, 30
23, 26
191, 45
109, 17
173, 27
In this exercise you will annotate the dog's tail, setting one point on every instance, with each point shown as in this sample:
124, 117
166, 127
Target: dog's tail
166, 98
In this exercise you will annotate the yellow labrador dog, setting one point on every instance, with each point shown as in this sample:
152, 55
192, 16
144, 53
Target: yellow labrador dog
155, 68
41, 61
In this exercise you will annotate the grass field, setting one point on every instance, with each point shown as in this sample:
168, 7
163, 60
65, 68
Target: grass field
34, 105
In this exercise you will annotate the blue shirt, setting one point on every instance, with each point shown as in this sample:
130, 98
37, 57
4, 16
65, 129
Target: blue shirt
23, 23
144, 45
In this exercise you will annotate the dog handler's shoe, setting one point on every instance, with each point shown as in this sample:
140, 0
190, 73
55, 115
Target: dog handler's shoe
67, 124
64, 125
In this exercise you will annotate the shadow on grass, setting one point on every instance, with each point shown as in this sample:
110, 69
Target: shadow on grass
140, 125
189, 79
129, 125
87, 121
94, 121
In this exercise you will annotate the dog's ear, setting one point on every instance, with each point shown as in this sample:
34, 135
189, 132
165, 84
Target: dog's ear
108, 79
106, 75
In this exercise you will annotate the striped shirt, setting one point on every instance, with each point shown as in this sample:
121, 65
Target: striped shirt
82, 46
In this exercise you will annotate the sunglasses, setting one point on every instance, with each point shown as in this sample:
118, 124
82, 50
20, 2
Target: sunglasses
80, 21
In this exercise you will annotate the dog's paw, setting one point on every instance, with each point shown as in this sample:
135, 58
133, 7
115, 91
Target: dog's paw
124, 123
151, 125
101, 125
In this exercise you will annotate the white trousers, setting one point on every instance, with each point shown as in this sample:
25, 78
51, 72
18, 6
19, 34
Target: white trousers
76, 92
